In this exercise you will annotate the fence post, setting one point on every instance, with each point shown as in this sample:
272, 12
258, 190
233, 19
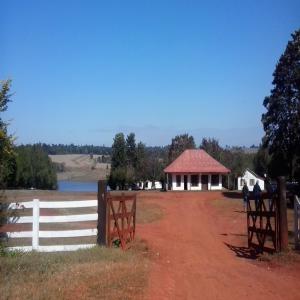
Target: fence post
35, 224
297, 222
102, 215
283, 226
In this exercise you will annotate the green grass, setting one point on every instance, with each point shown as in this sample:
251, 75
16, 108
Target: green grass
97, 273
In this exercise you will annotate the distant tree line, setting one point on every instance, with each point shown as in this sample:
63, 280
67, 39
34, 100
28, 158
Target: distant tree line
53, 149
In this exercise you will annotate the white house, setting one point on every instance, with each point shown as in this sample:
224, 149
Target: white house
250, 178
195, 170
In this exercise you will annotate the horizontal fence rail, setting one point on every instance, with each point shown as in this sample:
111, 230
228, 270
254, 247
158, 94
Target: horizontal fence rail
36, 220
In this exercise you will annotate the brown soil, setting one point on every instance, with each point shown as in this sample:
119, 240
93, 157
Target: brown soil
199, 250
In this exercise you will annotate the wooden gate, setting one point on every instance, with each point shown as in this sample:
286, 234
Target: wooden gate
121, 220
263, 226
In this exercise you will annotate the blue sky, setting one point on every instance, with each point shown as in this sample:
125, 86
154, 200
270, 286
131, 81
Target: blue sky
84, 70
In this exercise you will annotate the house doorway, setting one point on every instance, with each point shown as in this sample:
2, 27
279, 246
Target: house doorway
204, 182
185, 181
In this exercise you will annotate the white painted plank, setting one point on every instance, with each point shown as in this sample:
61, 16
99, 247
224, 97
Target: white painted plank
25, 219
20, 248
54, 233
55, 204
57, 219
54, 248
19, 234
69, 204
20, 205
68, 218
68, 233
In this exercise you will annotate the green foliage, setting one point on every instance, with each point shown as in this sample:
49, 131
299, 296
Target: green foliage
7, 165
132, 163
179, 144
282, 120
131, 150
234, 158
7, 155
262, 161
212, 147
75, 149
141, 162
34, 168
118, 159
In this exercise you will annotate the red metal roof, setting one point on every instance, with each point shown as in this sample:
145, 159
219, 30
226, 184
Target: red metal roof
195, 161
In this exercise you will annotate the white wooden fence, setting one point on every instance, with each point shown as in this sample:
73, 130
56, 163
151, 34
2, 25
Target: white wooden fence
36, 220
297, 222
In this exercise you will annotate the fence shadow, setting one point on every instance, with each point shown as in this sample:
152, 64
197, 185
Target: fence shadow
232, 194
243, 252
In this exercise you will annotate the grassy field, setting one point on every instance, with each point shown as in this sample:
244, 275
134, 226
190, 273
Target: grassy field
81, 167
97, 273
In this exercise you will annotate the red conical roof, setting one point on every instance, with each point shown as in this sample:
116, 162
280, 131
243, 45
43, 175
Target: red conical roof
196, 161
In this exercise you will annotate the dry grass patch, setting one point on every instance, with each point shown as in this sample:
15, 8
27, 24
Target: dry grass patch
97, 273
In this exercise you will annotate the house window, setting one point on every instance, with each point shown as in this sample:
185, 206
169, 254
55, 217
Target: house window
252, 181
194, 180
214, 179
178, 180
242, 182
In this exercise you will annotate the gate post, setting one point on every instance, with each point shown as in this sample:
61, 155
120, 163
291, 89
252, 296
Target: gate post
102, 214
282, 214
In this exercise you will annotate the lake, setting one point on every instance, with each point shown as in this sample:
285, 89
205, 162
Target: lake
77, 186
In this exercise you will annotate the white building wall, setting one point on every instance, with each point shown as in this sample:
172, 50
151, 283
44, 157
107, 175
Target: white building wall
194, 188
250, 180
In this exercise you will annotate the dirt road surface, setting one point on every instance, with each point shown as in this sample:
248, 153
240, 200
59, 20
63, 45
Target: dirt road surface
193, 253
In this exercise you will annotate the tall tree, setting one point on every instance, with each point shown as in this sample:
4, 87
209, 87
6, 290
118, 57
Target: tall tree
118, 159
131, 150
282, 120
140, 162
118, 172
179, 144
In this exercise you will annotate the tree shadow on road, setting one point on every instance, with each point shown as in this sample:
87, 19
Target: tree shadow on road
243, 252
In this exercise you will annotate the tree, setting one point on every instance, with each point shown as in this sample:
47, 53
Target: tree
140, 162
131, 150
282, 120
212, 147
118, 159
7, 155
179, 144
118, 163
261, 161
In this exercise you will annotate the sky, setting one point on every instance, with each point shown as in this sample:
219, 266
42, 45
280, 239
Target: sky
84, 70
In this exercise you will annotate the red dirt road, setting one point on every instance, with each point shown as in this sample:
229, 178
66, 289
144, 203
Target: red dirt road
192, 260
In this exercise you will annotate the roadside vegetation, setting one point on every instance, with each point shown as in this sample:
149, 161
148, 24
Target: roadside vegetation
97, 273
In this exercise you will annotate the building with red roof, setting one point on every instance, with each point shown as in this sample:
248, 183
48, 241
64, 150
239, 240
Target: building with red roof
195, 170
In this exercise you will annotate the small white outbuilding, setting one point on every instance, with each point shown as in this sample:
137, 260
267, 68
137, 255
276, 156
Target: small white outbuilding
250, 178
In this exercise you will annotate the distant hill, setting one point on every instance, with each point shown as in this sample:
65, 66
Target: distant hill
81, 167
